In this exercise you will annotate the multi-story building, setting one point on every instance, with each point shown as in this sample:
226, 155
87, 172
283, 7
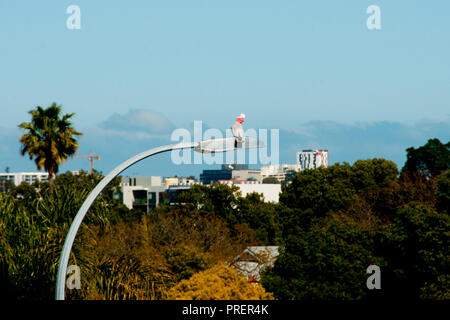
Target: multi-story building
142, 181
210, 176
179, 181
144, 193
279, 172
231, 171
247, 174
270, 192
312, 159
17, 178
142, 198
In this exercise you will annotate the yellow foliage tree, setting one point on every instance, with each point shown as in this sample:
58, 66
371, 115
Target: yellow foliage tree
218, 283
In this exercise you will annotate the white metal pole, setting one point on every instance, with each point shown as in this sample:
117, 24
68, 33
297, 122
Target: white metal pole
64, 260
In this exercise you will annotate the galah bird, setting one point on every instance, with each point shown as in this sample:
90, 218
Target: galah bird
238, 130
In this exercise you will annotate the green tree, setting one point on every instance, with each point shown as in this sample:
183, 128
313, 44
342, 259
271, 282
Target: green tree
49, 139
373, 174
218, 199
429, 159
326, 262
315, 194
443, 193
185, 260
415, 247
33, 226
260, 216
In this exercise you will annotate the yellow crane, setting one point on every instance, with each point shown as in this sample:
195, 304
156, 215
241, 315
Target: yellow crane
91, 159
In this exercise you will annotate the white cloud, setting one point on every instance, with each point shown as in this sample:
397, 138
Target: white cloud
137, 124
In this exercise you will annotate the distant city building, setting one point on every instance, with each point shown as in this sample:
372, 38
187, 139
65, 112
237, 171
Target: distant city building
270, 192
235, 166
142, 198
17, 178
171, 181
210, 176
146, 193
179, 181
143, 193
279, 172
246, 174
231, 171
150, 181
312, 159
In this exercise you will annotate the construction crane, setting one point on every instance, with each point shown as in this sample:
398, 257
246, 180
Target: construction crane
91, 159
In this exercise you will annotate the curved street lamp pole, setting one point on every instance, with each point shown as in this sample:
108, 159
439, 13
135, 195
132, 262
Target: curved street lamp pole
64, 260
206, 146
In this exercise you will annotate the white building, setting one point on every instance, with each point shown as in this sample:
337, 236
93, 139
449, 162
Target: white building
270, 192
18, 177
312, 159
144, 198
151, 181
247, 174
279, 172
142, 192
179, 181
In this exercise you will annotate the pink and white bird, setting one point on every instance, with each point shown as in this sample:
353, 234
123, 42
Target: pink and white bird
238, 130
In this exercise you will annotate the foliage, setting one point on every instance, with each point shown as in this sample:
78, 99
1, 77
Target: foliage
218, 283
373, 174
33, 226
185, 260
339, 220
260, 216
314, 194
416, 249
429, 159
328, 261
239, 213
29, 252
49, 138
218, 198
443, 193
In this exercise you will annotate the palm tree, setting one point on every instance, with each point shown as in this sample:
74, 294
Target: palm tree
49, 139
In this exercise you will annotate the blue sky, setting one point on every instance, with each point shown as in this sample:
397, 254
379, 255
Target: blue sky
310, 68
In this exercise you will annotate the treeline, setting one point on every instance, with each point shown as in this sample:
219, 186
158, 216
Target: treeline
337, 221
331, 224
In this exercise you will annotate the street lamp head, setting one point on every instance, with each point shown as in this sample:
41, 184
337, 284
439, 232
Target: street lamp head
227, 144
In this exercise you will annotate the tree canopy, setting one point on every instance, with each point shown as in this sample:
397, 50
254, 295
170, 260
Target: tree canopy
429, 159
49, 138
339, 220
